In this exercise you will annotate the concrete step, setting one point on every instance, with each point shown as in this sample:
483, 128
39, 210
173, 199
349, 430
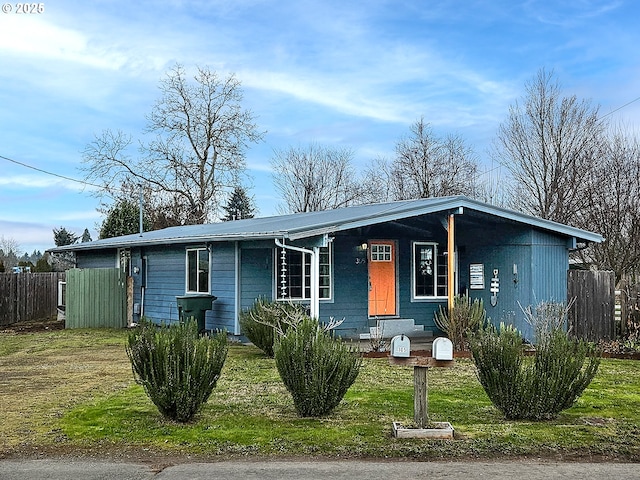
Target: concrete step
389, 328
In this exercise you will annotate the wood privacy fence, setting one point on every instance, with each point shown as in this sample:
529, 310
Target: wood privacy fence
28, 296
96, 298
629, 307
592, 316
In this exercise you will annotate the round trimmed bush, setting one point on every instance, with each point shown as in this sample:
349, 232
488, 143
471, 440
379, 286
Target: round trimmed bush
177, 368
316, 368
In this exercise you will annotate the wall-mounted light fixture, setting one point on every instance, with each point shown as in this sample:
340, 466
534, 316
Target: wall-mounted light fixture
136, 270
515, 274
361, 253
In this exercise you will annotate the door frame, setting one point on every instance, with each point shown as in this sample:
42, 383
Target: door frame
394, 244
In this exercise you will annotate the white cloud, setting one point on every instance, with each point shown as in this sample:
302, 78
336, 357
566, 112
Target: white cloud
35, 36
40, 181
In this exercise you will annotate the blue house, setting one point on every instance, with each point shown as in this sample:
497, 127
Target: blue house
397, 262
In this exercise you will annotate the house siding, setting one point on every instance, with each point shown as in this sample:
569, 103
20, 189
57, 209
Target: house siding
165, 281
99, 259
542, 262
223, 285
256, 274
498, 244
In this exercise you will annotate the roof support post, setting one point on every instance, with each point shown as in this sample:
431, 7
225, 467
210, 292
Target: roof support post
315, 270
451, 261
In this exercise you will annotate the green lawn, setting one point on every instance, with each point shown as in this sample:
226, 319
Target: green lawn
74, 390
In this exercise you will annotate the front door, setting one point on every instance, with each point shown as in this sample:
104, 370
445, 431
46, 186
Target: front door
382, 278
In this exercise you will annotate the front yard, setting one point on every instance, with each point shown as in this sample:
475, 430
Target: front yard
72, 393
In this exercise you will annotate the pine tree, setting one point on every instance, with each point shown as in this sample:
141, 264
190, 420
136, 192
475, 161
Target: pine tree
86, 236
239, 206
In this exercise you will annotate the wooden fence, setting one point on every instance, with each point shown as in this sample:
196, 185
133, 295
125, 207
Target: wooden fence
28, 296
96, 298
629, 307
592, 316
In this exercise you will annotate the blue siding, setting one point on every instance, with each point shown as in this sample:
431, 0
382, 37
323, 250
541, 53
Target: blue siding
256, 274
542, 262
165, 281
223, 286
541, 259
96, 259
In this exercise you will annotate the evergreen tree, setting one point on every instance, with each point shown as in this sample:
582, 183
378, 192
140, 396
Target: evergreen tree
123, 218
86, 236
62, 237
239, 206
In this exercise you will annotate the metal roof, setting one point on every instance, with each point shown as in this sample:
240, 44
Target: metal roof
305, 225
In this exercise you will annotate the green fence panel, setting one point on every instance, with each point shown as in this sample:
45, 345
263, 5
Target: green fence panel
96, 298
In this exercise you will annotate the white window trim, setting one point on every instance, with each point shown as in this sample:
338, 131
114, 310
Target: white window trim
425, 298
303, 299
186, 271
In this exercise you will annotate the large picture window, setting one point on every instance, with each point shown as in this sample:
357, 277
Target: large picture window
198, 270
429, 271
293, 274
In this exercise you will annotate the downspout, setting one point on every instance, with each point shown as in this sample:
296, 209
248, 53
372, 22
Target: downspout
315, 259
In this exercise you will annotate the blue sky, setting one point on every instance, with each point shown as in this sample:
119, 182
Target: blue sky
353, 74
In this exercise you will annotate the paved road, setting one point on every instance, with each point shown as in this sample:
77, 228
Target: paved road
301, 470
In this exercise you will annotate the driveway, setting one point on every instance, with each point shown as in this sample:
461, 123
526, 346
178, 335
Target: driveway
53, 469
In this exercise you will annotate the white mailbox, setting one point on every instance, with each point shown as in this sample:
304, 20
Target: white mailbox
442, 349
400, 346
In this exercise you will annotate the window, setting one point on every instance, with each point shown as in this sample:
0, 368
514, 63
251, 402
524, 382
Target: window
198, 270
380, 252
429, 271
294, 274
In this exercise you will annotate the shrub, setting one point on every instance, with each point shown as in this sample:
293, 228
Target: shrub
465, 318
177, 368
264, 319
316, 368
532, 388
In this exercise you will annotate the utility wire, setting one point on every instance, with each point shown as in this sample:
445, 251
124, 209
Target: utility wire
620, 108
51, 173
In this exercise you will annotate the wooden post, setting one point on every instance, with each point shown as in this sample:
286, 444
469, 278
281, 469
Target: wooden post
420, 396
451, 260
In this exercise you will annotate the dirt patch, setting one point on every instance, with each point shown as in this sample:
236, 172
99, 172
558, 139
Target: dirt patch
32, 326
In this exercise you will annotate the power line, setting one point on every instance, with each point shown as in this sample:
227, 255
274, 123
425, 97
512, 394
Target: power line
51, 173
620, 108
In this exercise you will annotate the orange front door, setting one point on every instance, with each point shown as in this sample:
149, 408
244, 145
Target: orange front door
382, 278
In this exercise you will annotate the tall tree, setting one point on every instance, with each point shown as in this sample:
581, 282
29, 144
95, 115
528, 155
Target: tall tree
315, 177
613, 206
549, 144
9, 248
86, 236
239, 206
62, 237
425, 165
63, 260
123, 218
200, 134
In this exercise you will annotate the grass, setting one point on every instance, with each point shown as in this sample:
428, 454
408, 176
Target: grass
73, 391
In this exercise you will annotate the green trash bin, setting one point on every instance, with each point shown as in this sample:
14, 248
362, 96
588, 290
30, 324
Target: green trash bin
195, 306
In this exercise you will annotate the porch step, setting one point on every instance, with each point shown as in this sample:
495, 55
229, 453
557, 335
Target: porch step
391, 328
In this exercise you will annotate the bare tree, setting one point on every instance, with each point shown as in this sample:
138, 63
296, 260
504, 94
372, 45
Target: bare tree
9, 251
425, 165
549, 144
614, 206
315, 178
201, 133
